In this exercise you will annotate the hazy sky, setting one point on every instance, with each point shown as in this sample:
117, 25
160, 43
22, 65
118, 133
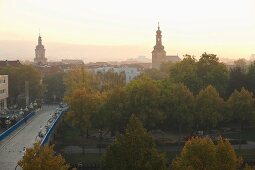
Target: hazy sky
224, 27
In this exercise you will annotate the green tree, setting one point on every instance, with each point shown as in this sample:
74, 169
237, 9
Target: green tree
186, 72
202, 154
143, 96
237, 80
111, 113
160, 74
55, 87
212, 72
42, 158
16, 80
154, 74
242, 106
133, 150
179, 105
209, 108
251, 77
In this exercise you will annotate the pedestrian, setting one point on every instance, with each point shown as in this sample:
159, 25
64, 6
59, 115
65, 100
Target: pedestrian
24, 150
40, 134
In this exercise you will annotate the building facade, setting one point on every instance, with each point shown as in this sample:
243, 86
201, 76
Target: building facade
3, 92
159, 54
40, 58
130, 72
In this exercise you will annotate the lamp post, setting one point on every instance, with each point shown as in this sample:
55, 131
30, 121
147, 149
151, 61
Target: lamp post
100, 139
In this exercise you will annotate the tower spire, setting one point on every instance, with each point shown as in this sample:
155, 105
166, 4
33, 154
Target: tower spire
158, 25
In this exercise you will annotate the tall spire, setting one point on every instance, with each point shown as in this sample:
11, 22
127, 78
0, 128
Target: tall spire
158, 37
39, 38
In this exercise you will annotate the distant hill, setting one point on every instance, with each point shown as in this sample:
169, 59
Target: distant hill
139, 59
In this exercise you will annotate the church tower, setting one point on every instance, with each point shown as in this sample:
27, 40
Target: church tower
158, 53
40, 53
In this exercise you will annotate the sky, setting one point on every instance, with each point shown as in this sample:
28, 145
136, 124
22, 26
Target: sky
99, 30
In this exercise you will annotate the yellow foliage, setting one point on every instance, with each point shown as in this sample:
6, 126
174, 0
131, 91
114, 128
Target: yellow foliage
202, 154
42, 158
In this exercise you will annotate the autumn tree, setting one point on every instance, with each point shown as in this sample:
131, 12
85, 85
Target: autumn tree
83, 103
77, 79
241, 104
209, 108
201, 153
226, 158
135, 149
42, 158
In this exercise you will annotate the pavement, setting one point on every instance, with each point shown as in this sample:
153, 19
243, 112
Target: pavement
25, 136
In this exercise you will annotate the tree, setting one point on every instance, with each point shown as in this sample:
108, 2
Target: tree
110, 79
209, 108
201, 153
55, 87
42, 158
242, 107
241, 63
78, 78
251, 77
154, 74
161, 74
237, 80
83, 104
226, 158
212, 72
133, 150
186, 72
16, 80
197, 154
111, 112
179, 105
143, 100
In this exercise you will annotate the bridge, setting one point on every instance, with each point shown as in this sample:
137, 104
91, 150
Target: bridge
24, 134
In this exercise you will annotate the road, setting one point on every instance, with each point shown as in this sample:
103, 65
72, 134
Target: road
11, 148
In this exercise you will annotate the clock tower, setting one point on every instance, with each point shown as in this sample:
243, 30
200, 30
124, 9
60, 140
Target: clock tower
40, 53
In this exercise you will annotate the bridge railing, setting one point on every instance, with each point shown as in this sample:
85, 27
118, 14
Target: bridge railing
53, 126
16, 125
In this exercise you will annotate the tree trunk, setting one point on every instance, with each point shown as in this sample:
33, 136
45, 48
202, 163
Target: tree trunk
83, 148
87, 133
180, 131
240, 137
